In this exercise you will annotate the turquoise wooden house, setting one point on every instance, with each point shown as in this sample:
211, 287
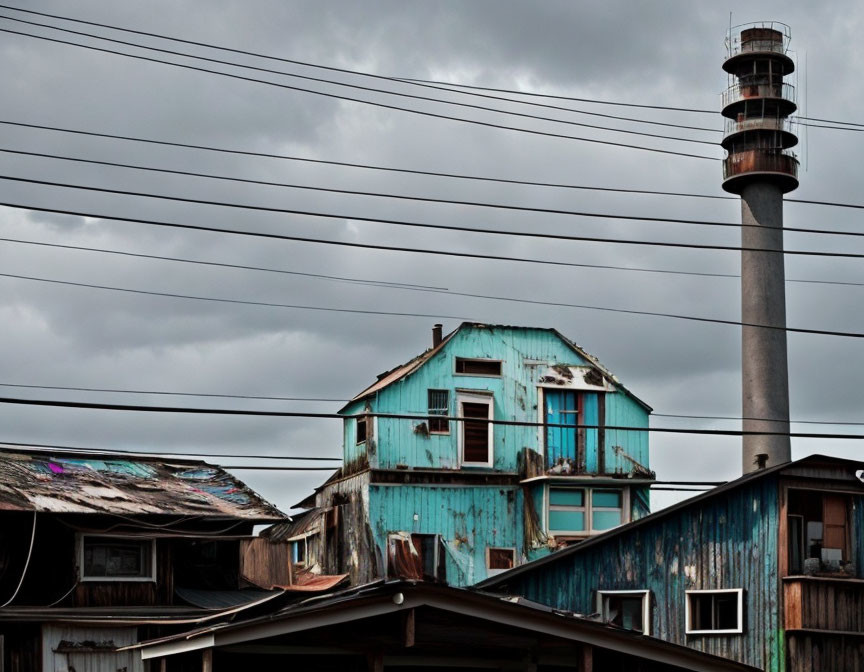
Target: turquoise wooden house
446, 494
767, 570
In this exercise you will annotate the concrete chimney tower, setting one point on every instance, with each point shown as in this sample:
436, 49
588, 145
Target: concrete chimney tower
760, 167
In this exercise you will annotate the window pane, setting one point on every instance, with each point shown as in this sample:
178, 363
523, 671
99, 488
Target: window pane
439, 405
116, 558
361, 430
726, 611
566, 497
482, 367
607, 498
475, 435
624, 611
567, 521
501, 558
605, 520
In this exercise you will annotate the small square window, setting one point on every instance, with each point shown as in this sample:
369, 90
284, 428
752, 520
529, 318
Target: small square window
117, 559
361, 430
626, 609
567, 510
478, 367
500, 559
715, 611
439, 405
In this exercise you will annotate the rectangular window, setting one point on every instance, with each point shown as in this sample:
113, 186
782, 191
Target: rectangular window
117, 559
476, 436
567, 509
478, 367
584, 510
627, 609
361, 430
300, 554
711, 612
439, 405
500, 559
817, 531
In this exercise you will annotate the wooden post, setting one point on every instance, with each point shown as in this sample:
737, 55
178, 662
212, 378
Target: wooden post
408, 628
375, 662
586, 664
207, 660
163, 665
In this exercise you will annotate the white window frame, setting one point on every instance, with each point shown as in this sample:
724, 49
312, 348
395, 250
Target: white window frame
733, 631
645, 595
478, 359
489, 549
478, 398
124, 579
588, 507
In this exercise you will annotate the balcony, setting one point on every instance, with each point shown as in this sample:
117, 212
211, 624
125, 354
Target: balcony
772, 165
741, 92
734, 126
764, 38
823, 604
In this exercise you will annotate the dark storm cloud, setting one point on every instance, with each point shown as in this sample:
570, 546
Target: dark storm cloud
665, 53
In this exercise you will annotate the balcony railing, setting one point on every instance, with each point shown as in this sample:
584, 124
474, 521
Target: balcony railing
758, 124
760, 161
738, 92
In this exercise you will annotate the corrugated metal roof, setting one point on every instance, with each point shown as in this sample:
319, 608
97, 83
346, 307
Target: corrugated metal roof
105, 483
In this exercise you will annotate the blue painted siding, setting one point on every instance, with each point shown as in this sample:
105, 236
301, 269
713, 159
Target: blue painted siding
622, 411
722, 543
353, 453
469, 519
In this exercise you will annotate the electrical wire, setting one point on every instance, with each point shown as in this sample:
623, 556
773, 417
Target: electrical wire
387, 285
422, 225
731, 417
423, 199
358, 311
400, 416
425, 113
391, 80
26, 566
408, 171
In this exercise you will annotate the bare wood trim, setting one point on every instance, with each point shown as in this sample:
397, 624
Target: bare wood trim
408, 628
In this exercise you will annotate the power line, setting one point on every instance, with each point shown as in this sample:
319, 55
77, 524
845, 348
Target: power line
318, 66
408, 171
183, 260
425, 113
400, 416
399, 222
423, 199
357, 311
454, 87
176, 394
733, 417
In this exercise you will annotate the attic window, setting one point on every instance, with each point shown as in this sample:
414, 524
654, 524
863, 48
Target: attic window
439, 405
361, 430
478, 367
714, 612
117, 559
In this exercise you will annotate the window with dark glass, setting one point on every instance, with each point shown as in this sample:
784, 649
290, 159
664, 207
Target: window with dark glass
625, 609
112, 558
500, 559
715, 611
817, 530
439, 405
361, 430
478, 367
475, 435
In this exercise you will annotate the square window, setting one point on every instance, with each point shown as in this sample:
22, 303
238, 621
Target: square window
439, 405
117, 559
715, 611
626, 609
500, 559
567, 511
584, 510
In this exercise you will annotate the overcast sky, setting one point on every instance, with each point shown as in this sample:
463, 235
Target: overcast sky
655, 53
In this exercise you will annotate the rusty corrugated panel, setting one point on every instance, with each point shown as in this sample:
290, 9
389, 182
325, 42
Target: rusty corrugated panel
76, 483
315, 583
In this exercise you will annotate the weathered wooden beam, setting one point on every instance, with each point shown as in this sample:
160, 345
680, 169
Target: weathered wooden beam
207, 660
408, 628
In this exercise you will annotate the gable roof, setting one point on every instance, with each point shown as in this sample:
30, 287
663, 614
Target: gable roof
70, 482
404, 370
721, 490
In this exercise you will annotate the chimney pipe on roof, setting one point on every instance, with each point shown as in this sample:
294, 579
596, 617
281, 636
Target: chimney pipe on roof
436, 335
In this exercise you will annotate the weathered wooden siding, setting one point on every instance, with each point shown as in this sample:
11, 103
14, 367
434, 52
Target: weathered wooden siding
858, 534
816, 652
356, 456
524, 353
468, 519
623, 411
728, 542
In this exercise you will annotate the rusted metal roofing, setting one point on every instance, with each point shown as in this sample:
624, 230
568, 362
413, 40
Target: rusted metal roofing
113, 484
301, 525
